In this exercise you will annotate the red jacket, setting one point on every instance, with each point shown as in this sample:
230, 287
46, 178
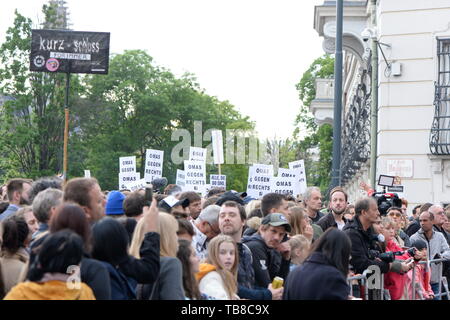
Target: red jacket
395, 282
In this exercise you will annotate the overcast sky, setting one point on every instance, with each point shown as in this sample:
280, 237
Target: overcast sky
249, 52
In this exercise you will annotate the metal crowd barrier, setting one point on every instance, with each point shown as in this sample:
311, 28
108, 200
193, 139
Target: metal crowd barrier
442, 279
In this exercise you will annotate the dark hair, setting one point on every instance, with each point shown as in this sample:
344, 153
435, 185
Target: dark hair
3, 206
16, 185
210, 201
255, 213
394, 209
191, 196
58, 251
77, 190
190, 285
134, 204
15, 233
44, 183
336, 246
415, 208
425, 207
129, 224
363, 204
215, 191
270, 201
184, 226
72, 217
234, 204
338, 189
110, 241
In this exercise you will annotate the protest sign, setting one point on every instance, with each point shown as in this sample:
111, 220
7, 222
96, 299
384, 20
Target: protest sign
259, 181
195, 175
153, 164
290, 173
218, 181
87, 173
181, 179
197, 154
126, 178
283, 185
299, 167
217, 144
136, 185
127, 164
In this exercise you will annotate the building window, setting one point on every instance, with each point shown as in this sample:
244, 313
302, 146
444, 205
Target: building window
440, 129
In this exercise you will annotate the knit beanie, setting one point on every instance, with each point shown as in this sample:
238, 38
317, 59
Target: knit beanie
114, 203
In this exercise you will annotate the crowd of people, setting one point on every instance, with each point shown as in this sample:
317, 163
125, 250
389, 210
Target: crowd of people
73, 241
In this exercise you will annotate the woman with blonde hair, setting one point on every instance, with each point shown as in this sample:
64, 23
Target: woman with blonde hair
218, 276
169, 284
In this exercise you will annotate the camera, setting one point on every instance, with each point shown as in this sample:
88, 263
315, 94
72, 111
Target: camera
384, 256
367, 34
386, 200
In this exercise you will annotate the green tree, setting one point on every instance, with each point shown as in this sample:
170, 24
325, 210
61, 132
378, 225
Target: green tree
316, 145
31, 120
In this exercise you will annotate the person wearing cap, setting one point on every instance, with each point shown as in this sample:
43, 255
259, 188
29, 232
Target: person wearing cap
114, 204
170, 204
270, 259
206, 227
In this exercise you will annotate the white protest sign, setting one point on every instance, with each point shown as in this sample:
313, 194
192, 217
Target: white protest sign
259, 182
153, 164
126, 178
299, 166
127, 164
181, 179
283, 185
217, 144
289, 173
137, 185
197, 154
87, 173
195, 175
218, 181
263, 169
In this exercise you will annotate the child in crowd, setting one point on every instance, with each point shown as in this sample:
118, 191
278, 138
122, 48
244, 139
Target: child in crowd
422, 275
218, 277
299, 250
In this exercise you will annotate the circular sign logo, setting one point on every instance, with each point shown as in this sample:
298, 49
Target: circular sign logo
39, 61
52, 64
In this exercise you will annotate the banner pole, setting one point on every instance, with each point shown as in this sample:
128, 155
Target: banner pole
219, 170
66, 126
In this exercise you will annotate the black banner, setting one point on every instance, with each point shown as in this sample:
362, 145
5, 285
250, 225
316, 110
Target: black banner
69, 51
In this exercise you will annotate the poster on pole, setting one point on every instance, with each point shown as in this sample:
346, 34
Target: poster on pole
126, 178
217, 145
181, 179
153, 164
197, 154
218, 181
283, 185
87, 173
299, 167
195, 175
127, 164
69, 51
259, 181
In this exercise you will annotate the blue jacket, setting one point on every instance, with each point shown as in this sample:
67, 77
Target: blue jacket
316, 279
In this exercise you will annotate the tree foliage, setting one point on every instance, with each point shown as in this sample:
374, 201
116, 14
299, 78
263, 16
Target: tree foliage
316, 146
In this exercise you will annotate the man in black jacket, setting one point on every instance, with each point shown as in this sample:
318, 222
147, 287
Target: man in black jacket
338, 204
268, 261
362, 236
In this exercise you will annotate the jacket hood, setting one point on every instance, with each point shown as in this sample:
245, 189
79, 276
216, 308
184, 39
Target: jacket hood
50, 290
256, 236
204, 269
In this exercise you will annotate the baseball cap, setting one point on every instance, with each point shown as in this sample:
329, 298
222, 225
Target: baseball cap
277, 220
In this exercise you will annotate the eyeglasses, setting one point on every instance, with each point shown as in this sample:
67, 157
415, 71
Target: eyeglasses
397, 214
